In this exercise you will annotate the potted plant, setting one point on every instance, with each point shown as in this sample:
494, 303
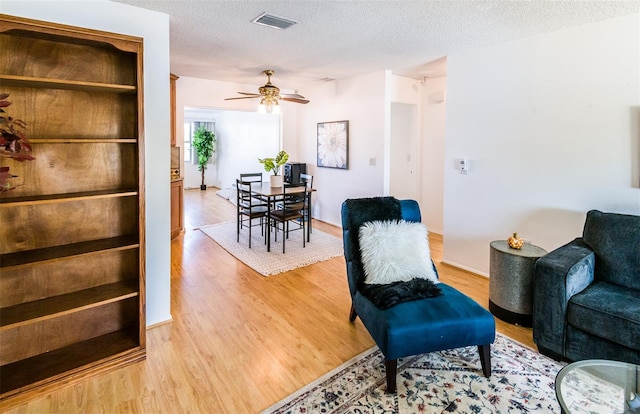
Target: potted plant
273, 165
203, 142
13, 142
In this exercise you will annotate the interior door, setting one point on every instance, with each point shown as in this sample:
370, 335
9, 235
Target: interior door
404, 151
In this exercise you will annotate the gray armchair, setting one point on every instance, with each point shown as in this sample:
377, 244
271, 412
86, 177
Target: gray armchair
586, 298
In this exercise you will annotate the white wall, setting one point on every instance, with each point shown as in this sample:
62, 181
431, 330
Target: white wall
241, 138
361, 101
243, 121
547, 125
402, 150
365, 101
154, 28
245, 137
431, 167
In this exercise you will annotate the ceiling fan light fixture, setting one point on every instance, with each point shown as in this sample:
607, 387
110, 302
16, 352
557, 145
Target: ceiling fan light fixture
269, 95
270, 104
276, 107
273, 21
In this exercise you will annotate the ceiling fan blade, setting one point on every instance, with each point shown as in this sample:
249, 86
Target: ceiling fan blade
296, 100
242, 97
249, 93
292, 95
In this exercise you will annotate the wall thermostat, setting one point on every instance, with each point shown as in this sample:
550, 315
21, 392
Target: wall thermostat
464, 166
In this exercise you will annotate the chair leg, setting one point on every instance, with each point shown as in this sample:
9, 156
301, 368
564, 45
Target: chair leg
352, 314
485, 359
268, 233
391, 367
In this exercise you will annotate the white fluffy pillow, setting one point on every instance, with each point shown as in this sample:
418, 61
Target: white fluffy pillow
394, 251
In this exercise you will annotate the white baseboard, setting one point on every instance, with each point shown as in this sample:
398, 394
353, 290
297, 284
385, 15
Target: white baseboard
166, 321
468, 269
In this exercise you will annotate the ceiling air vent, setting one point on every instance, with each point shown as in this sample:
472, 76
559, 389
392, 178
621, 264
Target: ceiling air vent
274, 21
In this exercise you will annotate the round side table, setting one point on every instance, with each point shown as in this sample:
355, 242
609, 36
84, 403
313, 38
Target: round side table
511, 281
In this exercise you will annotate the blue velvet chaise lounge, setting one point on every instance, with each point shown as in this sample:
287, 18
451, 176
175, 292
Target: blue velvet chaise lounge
448, 321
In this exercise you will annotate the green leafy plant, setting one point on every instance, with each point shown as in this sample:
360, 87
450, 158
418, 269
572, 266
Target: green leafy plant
274, 164
13, 142
204, 144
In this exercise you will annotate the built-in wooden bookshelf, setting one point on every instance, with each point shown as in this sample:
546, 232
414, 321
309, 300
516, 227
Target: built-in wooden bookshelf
72, 260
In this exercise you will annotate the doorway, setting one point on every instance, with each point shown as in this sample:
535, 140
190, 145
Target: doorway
403, 151
241, 138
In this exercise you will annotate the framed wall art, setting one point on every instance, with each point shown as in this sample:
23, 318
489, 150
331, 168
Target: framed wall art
333, 144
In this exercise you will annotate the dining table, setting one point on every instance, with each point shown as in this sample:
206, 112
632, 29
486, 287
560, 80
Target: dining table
271, 195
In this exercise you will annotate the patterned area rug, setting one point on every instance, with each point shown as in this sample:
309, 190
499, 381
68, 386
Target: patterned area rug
322, 246
522, 381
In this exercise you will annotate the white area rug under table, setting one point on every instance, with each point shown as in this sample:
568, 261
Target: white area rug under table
321, 247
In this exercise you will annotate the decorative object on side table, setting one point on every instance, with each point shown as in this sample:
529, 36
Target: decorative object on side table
333, 144
13, 143
515, 242
204, 144
273, 165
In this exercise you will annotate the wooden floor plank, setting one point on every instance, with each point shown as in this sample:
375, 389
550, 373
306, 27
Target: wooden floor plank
238, 342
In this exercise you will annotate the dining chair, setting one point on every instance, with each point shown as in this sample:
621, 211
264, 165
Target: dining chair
292, 206
253, 177
307, 179
248, 208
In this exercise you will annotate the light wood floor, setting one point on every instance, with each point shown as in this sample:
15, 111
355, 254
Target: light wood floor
239, 342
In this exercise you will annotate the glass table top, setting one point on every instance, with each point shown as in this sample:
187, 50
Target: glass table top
599, 386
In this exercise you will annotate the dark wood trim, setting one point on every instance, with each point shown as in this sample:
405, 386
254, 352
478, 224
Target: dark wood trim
391, 367
485, 359
352, 314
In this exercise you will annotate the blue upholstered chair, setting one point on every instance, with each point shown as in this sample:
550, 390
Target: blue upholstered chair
451, 320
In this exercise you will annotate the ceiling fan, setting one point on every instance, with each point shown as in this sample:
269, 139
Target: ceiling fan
270, 95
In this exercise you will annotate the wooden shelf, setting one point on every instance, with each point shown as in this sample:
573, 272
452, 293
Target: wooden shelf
27, 81
83, 141
72, 306
58, 198
67, 360
61, 252
17, 315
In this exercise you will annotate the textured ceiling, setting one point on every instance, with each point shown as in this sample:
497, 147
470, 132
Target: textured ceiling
338, 39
